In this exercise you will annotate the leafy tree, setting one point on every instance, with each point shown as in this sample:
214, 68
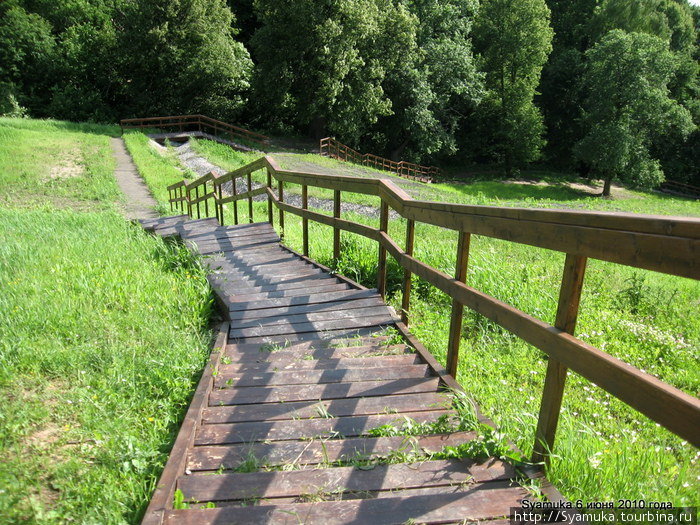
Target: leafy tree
514, 38
562, 94
26, 52
628, 104
436, 86
180, 56
320, 67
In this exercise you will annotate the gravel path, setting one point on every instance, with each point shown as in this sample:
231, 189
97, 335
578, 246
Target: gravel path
201, 166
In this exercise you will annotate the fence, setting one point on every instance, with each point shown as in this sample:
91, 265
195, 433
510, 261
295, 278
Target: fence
330, 147
198, 123
669, 245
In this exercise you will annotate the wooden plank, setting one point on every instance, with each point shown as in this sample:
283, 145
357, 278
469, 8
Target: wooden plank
318, 427
381, 261
258, 485
281, 365
403, 404
248, 295
406, 295
315, 326
312, 316
287, 339
307, 377
555, 378
455, 331
316, 392
313, 452
303, 308
358, 352
311, 299
321, 281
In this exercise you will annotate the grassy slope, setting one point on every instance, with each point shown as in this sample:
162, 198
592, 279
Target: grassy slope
102, 334
604, 449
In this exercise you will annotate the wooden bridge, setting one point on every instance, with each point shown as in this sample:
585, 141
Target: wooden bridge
299, 416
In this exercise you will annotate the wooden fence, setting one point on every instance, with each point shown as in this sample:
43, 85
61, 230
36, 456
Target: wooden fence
669, 245
197, 123
680, 188
330, 147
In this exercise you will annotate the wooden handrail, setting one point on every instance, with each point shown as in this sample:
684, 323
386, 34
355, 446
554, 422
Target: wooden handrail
200, 121
666, 244
330, 147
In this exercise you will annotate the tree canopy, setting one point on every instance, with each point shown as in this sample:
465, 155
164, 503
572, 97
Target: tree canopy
452, 81
628, 105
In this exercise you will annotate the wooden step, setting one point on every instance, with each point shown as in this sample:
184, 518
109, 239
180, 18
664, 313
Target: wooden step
296, 454
348, 295
343, 480
275, 394
264, 354
318, 377
287, 365
492, 501
396, 404
285, 311
288, 339
318, 427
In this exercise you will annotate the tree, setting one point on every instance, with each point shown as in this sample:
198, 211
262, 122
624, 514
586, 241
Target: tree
180, 56
561, 91
628, 104
26, 58
514, 38
321, 66
436, 84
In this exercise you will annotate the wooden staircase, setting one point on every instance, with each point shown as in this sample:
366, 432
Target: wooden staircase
301, 415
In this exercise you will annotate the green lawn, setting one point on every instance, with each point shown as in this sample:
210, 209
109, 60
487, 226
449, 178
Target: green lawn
604, 449
103, 332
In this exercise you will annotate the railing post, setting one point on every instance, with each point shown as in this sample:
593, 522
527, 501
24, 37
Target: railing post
406, 299
234, 192
457, 307
336, 230
381, 264
189, 205
206, 201
182, 203
553, 391
196, 196
219, 205
304, 220
270, 217
280, 196
249, 179
170, 198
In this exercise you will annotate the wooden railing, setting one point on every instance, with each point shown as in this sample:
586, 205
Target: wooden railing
197, 123
681, 188
330, 147
669, 245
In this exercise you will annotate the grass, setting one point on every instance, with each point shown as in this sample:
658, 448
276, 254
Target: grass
103, 333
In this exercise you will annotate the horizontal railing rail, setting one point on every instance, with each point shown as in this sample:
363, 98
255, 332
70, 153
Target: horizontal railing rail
330, 147
682, 188
197, 122
669, 245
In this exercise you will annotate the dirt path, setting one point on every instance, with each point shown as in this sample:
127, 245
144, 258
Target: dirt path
140, 204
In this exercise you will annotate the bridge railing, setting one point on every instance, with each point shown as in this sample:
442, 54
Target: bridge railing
668, 245
330, 147
197, 123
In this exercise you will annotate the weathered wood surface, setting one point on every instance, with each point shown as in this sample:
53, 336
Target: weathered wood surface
307, 373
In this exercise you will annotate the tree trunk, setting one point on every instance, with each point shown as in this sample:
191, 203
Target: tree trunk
606, 187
